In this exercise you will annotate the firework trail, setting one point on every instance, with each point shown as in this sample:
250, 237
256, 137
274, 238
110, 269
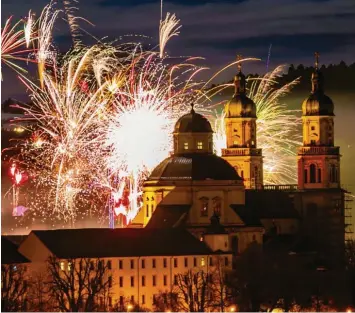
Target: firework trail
277, 128
69, 9
12, 41
45, 55
28, 29
168, 29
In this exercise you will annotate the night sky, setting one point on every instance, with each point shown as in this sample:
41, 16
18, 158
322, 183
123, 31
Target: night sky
216, 30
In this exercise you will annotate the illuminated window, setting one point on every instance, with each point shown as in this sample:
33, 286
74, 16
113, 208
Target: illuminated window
203, 262
217, 203
235, 142
199, 145
69, 266
186, 145
62, 266
204, 206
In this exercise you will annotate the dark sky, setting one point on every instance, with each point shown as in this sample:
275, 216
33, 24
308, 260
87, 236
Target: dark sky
217, 30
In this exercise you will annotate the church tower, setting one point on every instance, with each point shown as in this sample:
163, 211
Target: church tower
240, 127
318, 158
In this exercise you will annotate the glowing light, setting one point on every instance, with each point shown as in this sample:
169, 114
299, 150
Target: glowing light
19, 130
18, 177
13, 169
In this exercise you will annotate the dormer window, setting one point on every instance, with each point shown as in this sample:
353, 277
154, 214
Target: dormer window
199, 145
186, 146
204, 207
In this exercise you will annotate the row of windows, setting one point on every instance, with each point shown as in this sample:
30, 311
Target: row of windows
216, 206
143, 263
315, 175
199, 145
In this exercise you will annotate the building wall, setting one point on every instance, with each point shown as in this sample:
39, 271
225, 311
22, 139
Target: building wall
228, 192
284, 226
142, 293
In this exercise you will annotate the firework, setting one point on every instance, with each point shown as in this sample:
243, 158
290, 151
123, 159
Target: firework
44, 39
168, 29
277, 128
28, 29
12, 41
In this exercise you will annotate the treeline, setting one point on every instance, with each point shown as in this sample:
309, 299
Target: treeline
337, 77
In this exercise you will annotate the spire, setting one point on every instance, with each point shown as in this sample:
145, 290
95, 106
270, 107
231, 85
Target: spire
192, 108
239, 79
317, 77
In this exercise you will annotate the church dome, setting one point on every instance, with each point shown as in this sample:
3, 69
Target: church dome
194, 167
193, 123
240, 106
318, 104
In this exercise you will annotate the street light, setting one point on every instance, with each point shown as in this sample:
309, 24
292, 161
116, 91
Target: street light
129, 307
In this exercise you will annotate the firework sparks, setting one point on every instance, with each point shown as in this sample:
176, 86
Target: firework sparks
168, 29
28, 29
12, 40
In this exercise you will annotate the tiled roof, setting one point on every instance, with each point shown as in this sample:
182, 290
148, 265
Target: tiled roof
168, 216
93, 243
9, 253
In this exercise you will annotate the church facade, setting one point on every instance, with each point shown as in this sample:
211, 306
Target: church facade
192, 185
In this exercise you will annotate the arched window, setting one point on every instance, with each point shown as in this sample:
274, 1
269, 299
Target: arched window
217, 203
305, 176
151, 209
319, 175
203, 206
312, 173
147, 210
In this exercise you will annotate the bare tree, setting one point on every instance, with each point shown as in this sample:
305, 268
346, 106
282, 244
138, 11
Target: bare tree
80, 286
13, 288
166, 301
39, 299
192, 290
220, 285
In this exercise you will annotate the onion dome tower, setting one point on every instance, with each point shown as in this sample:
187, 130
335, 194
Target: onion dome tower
240, 127
318, 159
